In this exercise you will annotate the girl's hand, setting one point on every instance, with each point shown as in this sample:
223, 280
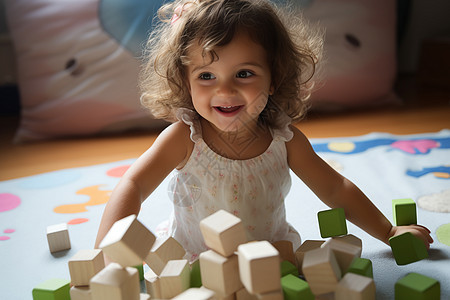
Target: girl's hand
419, 231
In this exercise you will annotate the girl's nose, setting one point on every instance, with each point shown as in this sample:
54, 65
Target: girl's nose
226, 88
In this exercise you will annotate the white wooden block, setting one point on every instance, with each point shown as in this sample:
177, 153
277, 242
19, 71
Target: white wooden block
174, 278
344, 252
223, 232
276, 295
195, 294
80, 293
259, 267
349, 238
286, 250
163, 250
306, 246
355, 287
85, 264
152, 284
220, 273
58, 237
243, 294
128, 242
142, 296
321, 270
116, 283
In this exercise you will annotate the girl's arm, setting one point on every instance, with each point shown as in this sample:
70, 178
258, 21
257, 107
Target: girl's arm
337, 191
170, 150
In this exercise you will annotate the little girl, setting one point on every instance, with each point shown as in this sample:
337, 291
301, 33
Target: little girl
232, 75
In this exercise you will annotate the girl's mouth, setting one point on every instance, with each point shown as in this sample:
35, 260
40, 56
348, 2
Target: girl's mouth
228, 109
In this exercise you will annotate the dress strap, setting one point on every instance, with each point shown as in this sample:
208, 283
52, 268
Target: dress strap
190, 118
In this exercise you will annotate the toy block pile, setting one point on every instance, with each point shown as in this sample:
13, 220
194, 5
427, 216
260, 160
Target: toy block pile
233, 268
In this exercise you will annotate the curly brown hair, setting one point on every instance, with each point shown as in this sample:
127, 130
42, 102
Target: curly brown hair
292, 47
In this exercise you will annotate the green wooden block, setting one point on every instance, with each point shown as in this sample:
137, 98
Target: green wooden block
416, 286
332, 222
404, 212
140, 268
196, 277
295, 288
407, 248
52, 289
361, 266
288, 268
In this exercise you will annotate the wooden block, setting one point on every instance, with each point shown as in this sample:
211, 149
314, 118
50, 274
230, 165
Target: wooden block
174, 278
196, 276
295, 288
355, 287
143, 296
163, 250
58, 237
259, 267
305, 247
152, 284
55, 289
84, 265
407, 248
116, 283
218, 296
243, 294
404, 212
286, 251
417, 286
128, 242
220, 273
349, 238
275, 295
361, 266
288, 268
332, 222
195, 294
321, 270
345, 253
80, 293
223, 232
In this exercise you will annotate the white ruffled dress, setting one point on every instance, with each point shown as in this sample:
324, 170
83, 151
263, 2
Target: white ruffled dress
252, 189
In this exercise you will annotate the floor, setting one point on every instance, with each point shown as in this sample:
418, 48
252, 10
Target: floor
423, 110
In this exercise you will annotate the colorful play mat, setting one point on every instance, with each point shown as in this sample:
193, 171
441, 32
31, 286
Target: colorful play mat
384, 166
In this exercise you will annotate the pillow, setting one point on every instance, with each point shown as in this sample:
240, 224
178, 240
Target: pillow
75, 78
78, 60
359, 66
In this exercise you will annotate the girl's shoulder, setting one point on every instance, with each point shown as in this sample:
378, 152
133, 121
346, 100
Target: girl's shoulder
181, 136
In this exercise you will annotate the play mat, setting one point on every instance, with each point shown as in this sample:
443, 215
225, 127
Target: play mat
384, 166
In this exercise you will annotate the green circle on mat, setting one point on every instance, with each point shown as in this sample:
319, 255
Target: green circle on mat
443, 234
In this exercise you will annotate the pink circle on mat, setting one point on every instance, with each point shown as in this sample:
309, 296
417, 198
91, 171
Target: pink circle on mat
4, 238
9, 230
8, 201
117, 171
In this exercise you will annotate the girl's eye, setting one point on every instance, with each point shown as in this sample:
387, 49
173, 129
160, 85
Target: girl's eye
206, 76
244, 74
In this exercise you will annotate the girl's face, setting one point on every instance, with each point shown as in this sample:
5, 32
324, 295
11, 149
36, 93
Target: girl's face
231, 91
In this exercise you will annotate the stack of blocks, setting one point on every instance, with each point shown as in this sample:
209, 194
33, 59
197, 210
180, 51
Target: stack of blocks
127, 243
334, 268
234, 268
406, 247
